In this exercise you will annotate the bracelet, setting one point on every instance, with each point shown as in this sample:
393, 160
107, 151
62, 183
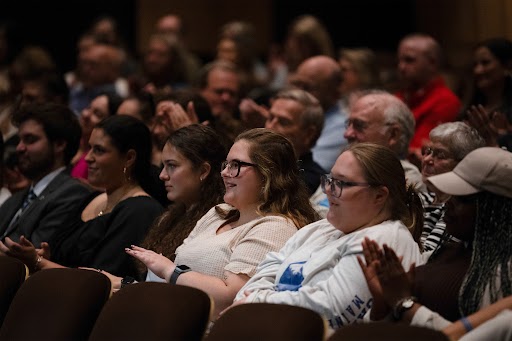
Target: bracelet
466, 323
38, 261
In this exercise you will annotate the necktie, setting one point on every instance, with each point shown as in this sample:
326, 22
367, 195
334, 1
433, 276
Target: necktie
26, 203
28, 200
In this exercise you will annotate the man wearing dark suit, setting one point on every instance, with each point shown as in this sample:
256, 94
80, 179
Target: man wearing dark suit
49, 137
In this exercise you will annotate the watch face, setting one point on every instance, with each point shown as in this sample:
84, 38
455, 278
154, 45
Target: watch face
183, 267
408, 303
127, 280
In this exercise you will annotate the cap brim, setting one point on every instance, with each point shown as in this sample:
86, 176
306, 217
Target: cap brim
451, 183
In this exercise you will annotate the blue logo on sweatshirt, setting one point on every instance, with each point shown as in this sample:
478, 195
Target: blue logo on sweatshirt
292, 278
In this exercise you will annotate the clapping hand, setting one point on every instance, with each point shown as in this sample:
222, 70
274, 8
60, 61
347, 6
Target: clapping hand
372, 253
24, 250
386, 278
489, 125
396, 284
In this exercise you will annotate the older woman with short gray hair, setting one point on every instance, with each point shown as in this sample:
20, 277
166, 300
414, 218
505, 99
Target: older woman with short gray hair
449, 143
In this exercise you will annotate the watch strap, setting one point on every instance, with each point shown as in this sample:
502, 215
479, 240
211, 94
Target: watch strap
126, 281
178, 270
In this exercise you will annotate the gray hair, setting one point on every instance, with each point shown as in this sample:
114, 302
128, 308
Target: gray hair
313, 114
395, 110
458, 137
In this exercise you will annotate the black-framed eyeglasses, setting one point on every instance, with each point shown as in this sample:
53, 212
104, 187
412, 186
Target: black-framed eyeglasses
336, 186
234, 166
439, 154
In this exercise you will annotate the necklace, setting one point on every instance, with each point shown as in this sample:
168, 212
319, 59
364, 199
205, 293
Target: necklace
109, 208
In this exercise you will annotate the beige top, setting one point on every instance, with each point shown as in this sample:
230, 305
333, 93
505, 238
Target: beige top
239, 250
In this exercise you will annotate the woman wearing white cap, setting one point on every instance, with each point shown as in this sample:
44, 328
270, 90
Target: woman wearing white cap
462, 278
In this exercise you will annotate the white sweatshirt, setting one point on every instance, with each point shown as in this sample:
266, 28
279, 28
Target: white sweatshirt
318, 269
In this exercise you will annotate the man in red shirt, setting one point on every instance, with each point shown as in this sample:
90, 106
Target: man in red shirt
423, 88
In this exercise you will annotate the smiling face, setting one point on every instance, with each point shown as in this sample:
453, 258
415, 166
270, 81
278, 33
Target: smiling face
105, 163
243, 191
356, 207
440, 161
487, 69
181, 178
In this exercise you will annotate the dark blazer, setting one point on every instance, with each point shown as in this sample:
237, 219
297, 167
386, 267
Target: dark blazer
50, 212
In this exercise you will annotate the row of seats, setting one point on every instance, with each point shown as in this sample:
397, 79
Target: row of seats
75, 304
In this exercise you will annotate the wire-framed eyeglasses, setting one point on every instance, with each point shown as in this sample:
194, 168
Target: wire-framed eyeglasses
234, 166
336, 186
439, 154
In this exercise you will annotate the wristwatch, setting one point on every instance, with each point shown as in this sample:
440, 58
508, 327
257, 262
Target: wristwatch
127, 280
178, 270
402, 306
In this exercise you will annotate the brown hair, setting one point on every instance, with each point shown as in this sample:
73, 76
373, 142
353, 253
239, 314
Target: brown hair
382, 167
284, 193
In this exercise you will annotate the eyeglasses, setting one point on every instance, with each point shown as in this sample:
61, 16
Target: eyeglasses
336, 186
439, 154
357, 125
234, 166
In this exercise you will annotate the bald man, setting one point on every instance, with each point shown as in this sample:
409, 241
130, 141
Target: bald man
423, 89
321, 76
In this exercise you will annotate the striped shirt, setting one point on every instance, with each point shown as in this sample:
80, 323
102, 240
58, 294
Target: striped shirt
433, 226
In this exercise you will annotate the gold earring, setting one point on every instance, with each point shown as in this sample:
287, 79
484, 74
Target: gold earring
126, 175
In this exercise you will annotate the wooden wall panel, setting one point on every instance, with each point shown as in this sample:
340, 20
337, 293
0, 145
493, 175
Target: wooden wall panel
203, 20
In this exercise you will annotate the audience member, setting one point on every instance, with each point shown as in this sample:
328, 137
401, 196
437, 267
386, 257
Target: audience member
220, 84
49, 137
31, 60
321, 76
105, 223
14, 180
237, 44
174, 111
492, 81
306, 37
164, 65
359, 71
170, 24
462, 278
102, 106
265, 204
141, 106
4, 191
449, 143
317, 268
192, 158
43, 88
298, 116
379, 117
423, 88
173, 25
491, 96
106, 29
98, 71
